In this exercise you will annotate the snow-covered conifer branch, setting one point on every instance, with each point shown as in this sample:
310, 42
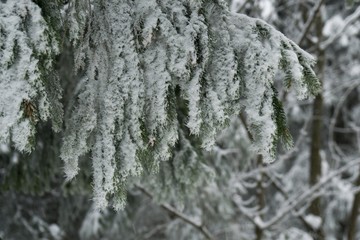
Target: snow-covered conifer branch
148, 62
147, 69
29, 89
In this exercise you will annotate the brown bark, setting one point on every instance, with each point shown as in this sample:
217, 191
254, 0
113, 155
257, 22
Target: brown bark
316, 132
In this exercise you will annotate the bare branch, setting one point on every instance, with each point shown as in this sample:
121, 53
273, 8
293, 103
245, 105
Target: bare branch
290, 205
332, 144
279, 186
154, 231
198, 225
243, 121
310, 21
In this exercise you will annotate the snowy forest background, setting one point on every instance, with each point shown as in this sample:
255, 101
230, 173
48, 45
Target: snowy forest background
310, 191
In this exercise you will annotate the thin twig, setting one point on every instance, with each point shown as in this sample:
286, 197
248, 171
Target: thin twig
198, 225
289, 206
332, 144
280, 189
243, 121
310, 21
154, 231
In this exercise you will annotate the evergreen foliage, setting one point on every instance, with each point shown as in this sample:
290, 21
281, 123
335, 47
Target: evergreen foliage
152, 76
30, 90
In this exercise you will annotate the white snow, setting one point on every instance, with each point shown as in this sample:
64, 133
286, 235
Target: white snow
56, 231
267, 7
314, 221
333, 25
137, 57
295, 233
91, 225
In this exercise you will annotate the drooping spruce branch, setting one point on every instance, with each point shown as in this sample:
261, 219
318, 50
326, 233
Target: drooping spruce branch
136, 58
30, 90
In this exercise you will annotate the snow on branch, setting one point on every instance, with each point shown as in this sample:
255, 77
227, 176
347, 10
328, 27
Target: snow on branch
305, 196
148, 62
29, 90
149, 70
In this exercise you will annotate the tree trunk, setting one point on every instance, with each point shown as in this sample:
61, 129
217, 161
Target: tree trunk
315, 158
351, 235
